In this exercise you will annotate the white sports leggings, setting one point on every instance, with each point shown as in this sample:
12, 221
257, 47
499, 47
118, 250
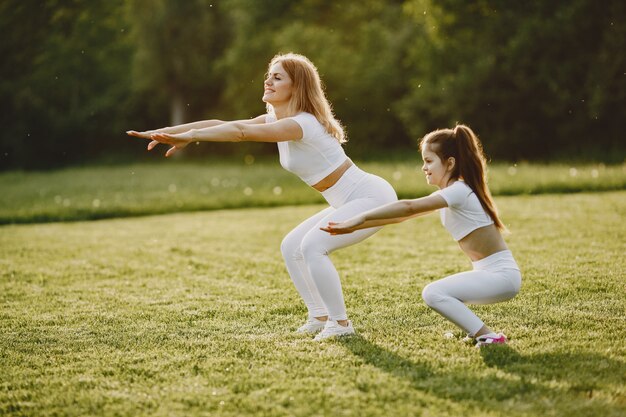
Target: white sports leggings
494, 278
306, 248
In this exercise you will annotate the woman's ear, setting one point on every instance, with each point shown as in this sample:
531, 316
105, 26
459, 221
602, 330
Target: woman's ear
451, 163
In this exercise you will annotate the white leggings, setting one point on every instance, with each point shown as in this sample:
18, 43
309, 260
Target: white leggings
306, 247
494, 278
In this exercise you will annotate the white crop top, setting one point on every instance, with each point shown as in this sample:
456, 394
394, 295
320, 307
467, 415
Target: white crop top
313, 157
464, 213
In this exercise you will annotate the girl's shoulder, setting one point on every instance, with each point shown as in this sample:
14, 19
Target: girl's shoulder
461, 185
456, 193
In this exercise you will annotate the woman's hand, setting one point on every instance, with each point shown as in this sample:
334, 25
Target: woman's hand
144, 135
344, 227
177, 141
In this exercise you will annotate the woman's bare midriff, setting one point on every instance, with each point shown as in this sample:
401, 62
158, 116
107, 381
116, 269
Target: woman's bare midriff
482, 242
332, 178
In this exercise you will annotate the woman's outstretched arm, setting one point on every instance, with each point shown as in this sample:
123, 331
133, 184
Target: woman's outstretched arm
282, 130
202, 124
391, 213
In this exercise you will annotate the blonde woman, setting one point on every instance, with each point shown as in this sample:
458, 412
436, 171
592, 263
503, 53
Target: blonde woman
300, 120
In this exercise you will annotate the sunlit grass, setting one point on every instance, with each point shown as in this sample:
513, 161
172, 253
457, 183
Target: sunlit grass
167, 186
193, 315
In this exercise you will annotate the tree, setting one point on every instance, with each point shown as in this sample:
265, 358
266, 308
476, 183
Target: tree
63, 85
532, 77
178, 44
358, 48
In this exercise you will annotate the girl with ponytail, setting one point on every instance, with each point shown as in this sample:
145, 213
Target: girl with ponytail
454, 162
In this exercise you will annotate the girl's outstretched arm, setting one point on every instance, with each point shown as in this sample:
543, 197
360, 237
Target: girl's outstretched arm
395, 212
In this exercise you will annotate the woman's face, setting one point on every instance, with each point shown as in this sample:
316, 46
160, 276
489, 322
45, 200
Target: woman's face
277, 86
437, 171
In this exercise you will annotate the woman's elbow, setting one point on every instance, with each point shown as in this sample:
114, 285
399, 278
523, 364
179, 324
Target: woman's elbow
240, 133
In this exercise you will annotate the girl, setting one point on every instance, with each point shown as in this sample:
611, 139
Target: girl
309, 137
454, 162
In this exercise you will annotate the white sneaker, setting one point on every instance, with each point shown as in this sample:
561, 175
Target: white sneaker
334, 329
311, 326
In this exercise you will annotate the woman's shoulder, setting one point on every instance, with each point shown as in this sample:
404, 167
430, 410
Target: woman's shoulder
311, 127
305, 116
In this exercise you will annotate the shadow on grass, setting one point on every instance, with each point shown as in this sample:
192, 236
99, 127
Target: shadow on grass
528, 381
584, 372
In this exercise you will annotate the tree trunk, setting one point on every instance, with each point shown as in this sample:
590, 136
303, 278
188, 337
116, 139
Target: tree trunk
177, 110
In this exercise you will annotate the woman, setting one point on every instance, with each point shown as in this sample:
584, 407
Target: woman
300, 120
454, 162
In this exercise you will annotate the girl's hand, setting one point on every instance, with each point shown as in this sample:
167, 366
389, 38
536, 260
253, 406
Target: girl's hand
343, 228
177, 141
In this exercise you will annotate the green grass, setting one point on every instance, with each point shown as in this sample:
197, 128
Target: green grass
192, 314
170, 186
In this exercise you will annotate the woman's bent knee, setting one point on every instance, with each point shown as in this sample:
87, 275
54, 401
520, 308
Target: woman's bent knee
311, 249
290, 248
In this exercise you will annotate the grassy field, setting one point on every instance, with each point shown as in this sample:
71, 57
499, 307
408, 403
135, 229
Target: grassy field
171, 186
192, 314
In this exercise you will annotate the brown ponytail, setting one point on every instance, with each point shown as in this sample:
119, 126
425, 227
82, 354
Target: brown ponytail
470, 163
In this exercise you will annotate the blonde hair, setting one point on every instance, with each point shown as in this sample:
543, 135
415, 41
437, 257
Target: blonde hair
462, 144
308, 93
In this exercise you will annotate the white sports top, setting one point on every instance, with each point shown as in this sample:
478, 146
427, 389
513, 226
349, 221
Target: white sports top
313, 157
464, 213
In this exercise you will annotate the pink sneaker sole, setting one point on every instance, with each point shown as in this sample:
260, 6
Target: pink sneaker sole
491, 339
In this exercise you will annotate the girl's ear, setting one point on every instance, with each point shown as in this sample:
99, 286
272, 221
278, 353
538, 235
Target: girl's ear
451, 162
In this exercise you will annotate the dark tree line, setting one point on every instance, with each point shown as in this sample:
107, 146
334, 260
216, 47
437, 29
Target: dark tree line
538, 80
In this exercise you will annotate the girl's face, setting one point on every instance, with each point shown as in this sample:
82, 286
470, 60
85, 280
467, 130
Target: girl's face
437, 171
277, 85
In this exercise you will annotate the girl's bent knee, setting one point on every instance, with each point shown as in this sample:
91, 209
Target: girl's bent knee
432, 295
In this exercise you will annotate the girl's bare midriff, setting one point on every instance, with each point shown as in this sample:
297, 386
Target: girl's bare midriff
482, 242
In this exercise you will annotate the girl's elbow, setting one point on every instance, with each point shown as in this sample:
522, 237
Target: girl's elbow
412, 207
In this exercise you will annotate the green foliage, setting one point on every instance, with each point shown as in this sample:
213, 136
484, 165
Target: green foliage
537, 80
361, 67
176, 47
193, 315
65, 82
143, 189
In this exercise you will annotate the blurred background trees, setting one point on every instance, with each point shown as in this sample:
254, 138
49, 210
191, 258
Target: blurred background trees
537, 80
